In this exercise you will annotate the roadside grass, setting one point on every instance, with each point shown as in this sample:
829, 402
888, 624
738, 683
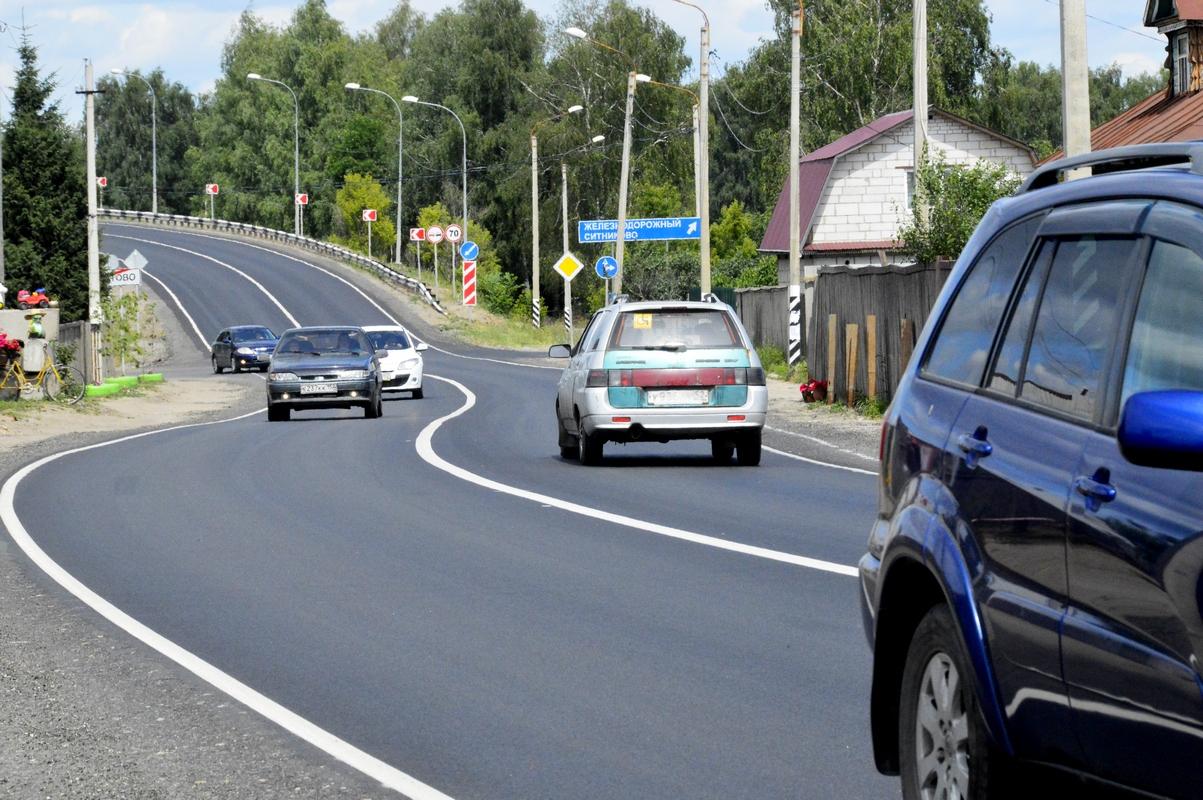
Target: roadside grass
774, 363
490, 330
16, 409
867, 407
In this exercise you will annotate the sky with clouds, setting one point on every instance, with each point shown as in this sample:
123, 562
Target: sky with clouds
185, 37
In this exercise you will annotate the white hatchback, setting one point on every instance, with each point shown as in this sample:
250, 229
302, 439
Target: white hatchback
401, 368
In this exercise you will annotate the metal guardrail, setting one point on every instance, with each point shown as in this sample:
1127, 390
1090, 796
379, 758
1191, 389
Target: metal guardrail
258, 231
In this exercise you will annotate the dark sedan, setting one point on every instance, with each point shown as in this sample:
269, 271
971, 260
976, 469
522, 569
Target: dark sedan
242, 347
327, 367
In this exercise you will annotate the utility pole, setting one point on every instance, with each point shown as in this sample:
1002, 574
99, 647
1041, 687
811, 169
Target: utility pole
94, 319
704, 157
624, 177
567, 283
795, 156
1, 199
697, 173
919, 110
535, 312
1075, 83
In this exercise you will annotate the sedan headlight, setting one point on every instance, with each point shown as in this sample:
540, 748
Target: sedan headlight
245, 351
283, 376
353, 374
409, 363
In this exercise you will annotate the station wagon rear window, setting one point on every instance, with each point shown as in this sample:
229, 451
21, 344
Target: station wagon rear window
674, 329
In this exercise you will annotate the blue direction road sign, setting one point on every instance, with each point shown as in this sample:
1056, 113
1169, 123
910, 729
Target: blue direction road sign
468, 251
593, 231
606, 266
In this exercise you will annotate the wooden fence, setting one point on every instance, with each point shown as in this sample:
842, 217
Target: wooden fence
765, 313
864, 323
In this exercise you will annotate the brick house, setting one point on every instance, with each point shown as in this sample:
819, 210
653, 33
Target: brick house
856, 192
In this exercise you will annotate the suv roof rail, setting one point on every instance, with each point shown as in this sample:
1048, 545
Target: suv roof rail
710, 297
622, 298
1119, 159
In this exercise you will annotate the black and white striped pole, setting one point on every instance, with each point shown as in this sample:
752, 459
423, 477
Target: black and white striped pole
795, 234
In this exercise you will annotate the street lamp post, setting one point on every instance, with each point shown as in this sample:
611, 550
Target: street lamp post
703, 137
154, 138
632, 76
409, 98
355, 87
296, 147
536, 309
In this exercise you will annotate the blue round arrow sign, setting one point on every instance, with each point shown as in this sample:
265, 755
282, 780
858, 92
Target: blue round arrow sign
468, 251
607, 267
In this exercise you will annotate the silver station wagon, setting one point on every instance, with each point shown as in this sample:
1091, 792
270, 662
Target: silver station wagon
661, 371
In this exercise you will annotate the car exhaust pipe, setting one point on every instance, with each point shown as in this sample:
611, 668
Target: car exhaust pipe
636, 432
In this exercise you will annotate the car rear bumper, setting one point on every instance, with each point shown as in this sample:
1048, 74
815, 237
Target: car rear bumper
631, 424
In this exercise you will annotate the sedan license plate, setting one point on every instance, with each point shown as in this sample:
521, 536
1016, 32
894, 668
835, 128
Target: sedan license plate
678, 397
319, 388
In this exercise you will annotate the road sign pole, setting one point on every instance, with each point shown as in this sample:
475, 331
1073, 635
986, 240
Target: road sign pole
419, 261
211, 214
568, 308
435, 248
369, 237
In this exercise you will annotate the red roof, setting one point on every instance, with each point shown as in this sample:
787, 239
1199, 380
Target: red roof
851, 247
1158, 118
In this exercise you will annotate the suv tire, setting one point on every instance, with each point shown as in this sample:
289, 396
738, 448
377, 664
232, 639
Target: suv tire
936, 664
748, 449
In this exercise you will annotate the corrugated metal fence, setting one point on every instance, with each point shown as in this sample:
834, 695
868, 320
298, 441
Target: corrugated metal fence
880, 310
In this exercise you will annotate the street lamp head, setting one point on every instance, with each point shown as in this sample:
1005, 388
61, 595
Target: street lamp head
576, 33
351, 86
643, 78
409, 98
575, 109
254, 76
601, 137
116, 71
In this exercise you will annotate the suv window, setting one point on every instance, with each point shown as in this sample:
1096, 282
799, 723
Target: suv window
962, 345
674, 328
1076, 324
1164, 352
1009, 364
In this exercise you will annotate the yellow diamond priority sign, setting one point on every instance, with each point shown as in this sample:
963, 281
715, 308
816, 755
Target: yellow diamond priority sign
568, 266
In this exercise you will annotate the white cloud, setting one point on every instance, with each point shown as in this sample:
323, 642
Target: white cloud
1138, 63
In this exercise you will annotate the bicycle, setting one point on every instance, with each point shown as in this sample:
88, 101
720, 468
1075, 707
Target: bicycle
59, 382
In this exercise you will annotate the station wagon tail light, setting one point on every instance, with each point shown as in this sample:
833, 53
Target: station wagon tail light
755, 376
597, 378
663, 378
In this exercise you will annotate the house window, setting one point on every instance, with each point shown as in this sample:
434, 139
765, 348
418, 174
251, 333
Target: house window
910, 189
1181, 63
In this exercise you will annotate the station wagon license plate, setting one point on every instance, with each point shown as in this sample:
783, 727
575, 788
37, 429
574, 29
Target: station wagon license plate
319, 388
678, 397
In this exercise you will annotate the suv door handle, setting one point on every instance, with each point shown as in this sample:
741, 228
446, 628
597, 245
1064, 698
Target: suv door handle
979, 448
1095, 490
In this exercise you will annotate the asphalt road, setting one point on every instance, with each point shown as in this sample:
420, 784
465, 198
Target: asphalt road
488, 644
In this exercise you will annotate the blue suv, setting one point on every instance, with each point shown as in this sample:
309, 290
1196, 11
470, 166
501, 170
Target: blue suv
1033, 584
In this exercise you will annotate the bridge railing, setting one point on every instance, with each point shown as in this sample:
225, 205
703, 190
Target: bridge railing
258, 231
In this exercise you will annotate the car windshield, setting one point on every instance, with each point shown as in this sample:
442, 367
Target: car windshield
674, 329
332, 342
252, 334
389, 340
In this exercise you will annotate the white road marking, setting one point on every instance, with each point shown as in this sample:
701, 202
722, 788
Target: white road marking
427, 453
355, 288
817, 440
371, 766
256, 283
819, 463
204, 342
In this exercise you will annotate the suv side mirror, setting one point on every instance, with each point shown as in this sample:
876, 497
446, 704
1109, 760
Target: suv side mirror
421, 347
559, 351
1163, 429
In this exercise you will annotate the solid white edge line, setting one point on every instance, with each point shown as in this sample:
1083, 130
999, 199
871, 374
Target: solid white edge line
180, 306
796, 457
426, 451
220, 263
355, 288
823, 442
388, 776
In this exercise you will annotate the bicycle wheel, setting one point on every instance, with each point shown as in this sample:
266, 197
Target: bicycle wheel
64, 384
10, 386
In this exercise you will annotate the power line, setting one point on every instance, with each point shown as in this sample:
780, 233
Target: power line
1134, 31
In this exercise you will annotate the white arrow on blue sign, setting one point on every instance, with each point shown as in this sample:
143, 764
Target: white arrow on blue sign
606, 266
468, 251
593, 231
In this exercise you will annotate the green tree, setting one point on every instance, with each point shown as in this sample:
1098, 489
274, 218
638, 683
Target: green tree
957, 198
731, 235
123, 148
45, 198
360, 192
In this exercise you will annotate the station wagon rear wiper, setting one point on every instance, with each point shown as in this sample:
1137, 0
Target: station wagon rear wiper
672, 348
